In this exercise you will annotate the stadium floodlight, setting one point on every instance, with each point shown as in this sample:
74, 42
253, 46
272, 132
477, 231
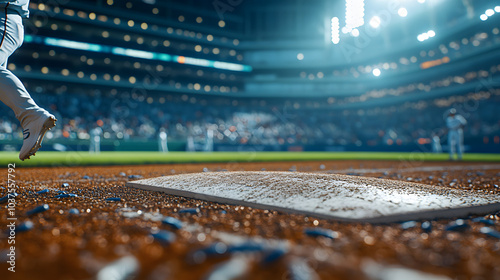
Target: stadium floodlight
300, 56
421, 1
354, 14
402, 12
376, 72
497, 9
375, 22
335, 30
431, 33
483, 17
489, 12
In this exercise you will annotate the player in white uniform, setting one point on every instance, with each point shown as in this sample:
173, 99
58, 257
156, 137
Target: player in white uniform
34, 120
455, 124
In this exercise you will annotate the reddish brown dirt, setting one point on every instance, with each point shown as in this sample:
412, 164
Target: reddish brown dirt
66, 246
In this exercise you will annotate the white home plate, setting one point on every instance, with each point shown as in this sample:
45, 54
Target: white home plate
341, 197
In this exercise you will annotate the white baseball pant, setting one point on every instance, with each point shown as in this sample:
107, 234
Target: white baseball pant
12, 91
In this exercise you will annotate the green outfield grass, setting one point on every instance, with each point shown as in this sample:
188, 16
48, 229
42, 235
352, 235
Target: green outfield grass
131, 158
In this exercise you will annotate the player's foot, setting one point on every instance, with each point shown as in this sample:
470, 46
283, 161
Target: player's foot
33, 135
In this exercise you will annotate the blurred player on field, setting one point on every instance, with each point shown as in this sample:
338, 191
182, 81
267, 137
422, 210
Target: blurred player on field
162, 141
436, 144
35, 120
455, 124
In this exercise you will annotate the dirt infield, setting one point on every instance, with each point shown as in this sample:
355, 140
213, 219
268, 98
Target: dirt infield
79, 236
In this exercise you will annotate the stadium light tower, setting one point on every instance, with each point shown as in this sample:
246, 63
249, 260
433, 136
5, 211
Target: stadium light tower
335, 30
354, 14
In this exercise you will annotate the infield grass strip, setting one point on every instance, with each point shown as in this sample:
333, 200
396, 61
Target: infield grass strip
131, 158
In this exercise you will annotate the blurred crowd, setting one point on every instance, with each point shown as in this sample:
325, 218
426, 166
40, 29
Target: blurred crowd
123, 117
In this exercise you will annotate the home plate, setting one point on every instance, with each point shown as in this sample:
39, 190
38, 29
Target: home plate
340, 197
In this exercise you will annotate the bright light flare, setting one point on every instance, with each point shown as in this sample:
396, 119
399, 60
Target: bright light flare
489, 12
483, 17
402, 12
376, 72
375, 22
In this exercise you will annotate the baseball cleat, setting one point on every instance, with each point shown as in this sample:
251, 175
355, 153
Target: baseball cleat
33, 136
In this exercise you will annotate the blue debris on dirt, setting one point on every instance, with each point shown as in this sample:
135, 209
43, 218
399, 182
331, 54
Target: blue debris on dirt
74, 211
66, 195
135, 176
315, 232
458, 225
490, 232
216, 249
247, 247
426, 226
39, 209
408, 225
484, 221
43, 191
65, 185
273, 255
26, 226
163, 237
86, 177
113, 199
189, 211
7, 197
172, 222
